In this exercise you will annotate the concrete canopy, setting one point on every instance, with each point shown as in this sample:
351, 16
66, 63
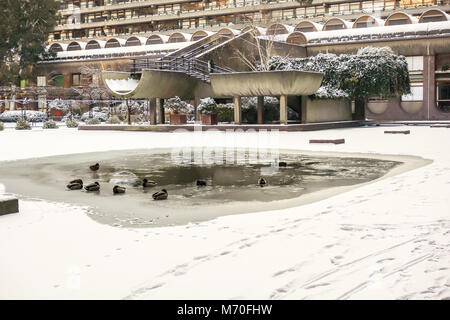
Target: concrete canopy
266, 83
168, 84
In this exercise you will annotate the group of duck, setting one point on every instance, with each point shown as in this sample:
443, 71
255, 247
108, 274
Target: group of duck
77, 184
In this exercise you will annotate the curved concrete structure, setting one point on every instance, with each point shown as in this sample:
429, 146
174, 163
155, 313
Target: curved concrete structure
267, 83
153, 84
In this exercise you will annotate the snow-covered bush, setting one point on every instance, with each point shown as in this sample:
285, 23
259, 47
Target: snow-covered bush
113, 120
207, 106
59, 104
50, 124
1, 126
93, 121
178, 106
30, 115
71, 124
101, 116
23, 124
371, 72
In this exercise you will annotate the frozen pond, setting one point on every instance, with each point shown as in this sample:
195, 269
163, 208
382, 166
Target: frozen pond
231, 187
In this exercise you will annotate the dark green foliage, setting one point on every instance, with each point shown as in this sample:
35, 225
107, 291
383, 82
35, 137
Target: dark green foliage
24, 28
371, 72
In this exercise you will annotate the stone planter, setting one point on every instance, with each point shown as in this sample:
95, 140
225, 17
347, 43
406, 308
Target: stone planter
209, 119
178, 119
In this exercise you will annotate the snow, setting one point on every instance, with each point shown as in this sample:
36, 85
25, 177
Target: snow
122, 86
388, 239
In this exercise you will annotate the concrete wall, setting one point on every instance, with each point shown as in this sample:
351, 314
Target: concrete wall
323, 110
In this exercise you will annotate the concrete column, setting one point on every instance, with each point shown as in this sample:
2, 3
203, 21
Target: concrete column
429, 87
196, 112
42, 103
260, 109
152, 106
237, 110
283, 110
12, 103
160, 110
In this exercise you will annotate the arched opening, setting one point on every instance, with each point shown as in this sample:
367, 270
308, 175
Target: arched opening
308, 26
336, 24
112, 43
178, 37
258, 31
133, 41
296, 37
154, 39
399, 18
277, 28
227, 32
56, 47
199, 35
433, 15
73, 46
93, 44
367, 22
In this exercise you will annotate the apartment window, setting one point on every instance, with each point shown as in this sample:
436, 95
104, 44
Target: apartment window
76, 79
415, 63
443, 96
416, 92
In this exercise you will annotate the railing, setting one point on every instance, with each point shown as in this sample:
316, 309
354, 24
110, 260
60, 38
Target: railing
193, 67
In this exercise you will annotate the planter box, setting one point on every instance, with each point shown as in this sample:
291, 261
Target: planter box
209, 119
178, 119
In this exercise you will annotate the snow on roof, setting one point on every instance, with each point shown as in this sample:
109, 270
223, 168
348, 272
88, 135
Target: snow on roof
317, 26
400, 13
103, 51
377, 22
186, 36
404, 28
122, 86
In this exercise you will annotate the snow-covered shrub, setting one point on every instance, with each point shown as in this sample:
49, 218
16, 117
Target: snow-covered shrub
71, 124
30, 115
370, 72
1, 126
207, 106
23, 124
177, 106
50, 124
93, 121
59, 104
113, 120
101, 116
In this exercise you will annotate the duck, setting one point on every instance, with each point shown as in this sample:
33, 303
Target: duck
148, 183
75, 185
262, 182
119, 189
95, 167
201, 183
282, 164
160, 195
79, 181
93, 187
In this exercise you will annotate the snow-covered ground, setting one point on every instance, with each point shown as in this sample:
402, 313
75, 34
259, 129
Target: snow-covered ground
388, 239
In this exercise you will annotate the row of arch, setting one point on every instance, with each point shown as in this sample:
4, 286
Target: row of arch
397, 18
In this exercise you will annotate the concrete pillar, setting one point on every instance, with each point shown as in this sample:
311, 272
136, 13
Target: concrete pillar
160, 110
196, 112
12, 103
429, 87
283, 110
152, 106
260, 109
42, 103
237, 110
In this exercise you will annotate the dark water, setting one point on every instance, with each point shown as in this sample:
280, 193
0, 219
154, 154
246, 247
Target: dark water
229, 186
